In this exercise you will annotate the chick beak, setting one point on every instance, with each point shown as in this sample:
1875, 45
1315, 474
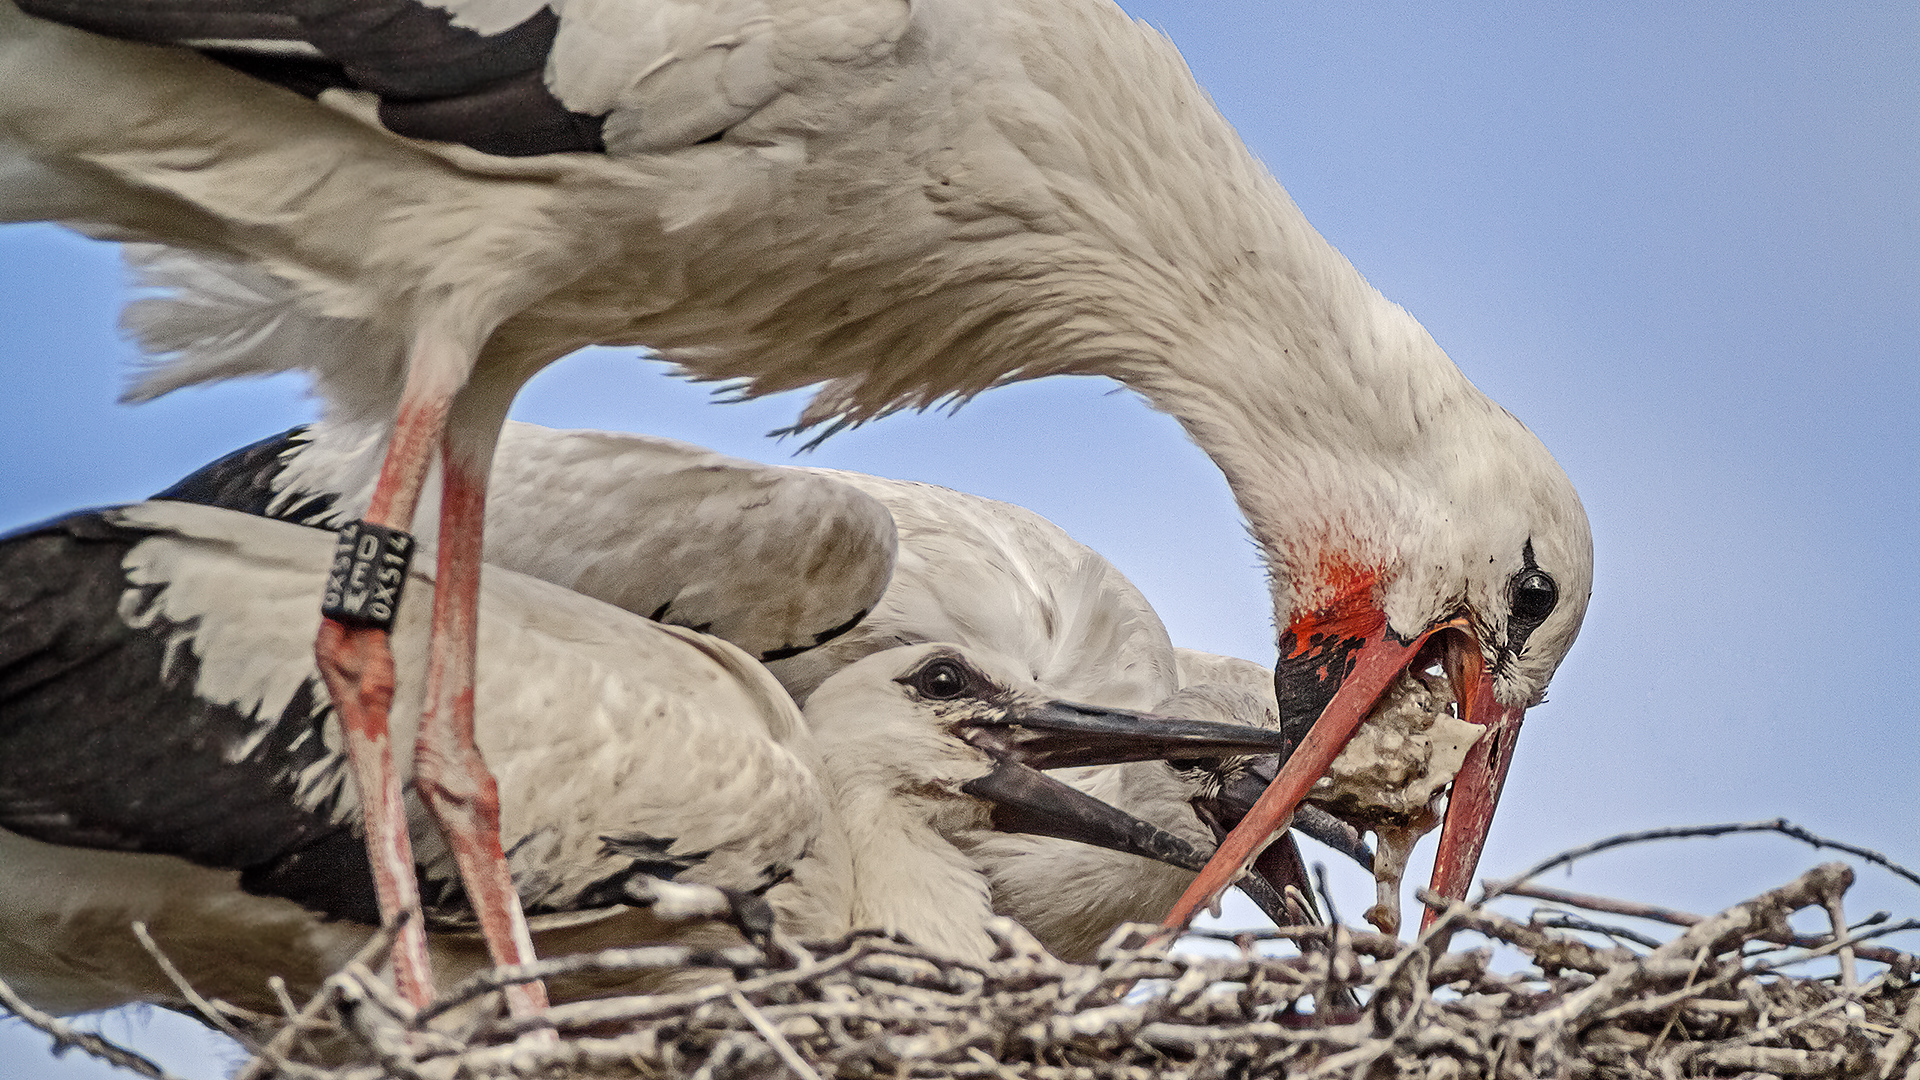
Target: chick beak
1280, 864
1037, 735
1063, 734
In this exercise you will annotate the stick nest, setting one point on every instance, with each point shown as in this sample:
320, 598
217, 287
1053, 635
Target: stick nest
1715, 1001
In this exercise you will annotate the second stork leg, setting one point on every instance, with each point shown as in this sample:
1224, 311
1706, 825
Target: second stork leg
356, 659
452, 777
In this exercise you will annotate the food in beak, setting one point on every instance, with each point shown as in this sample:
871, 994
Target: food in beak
1390, 777
1388, 780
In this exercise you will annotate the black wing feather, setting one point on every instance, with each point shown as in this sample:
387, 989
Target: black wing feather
166, 22
104, 742
435, 80
243, 481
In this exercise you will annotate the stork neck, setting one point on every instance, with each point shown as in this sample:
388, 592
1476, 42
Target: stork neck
910, 880
1330, 410
1175, 262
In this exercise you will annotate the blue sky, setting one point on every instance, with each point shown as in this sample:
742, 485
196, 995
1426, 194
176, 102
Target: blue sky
1682, 242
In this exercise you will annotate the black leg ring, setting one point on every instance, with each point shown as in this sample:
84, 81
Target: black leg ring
369, 568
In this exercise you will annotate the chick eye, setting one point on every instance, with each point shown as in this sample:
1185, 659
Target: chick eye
941, 680
1195, 764
1533, 595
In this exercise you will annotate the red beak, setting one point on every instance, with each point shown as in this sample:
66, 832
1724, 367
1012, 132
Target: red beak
1476, 787
1349, 648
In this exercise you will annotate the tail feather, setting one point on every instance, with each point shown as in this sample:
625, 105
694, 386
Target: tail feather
201, 318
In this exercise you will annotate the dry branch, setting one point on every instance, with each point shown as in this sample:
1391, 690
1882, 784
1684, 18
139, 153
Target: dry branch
1682, 832
869, 1007
1354, 1004
65, 1036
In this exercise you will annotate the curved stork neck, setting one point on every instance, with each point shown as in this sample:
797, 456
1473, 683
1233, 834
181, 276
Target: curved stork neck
909, 879
1076, 206
1350, 441
1343, 431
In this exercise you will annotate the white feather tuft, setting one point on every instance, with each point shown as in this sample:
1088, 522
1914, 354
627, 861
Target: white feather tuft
198, 318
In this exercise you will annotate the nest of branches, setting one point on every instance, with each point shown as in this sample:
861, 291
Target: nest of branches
1726, 996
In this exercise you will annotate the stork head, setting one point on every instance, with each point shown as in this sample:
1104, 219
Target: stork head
1468, 553
962, 736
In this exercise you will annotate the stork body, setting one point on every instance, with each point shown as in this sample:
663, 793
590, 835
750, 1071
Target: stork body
904, 203
965, 570
735, 548
171, 757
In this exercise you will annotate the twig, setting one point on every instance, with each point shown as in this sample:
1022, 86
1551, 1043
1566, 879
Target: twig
290, 1014
634, 1011
1837, 915
375, 1012
1763, 910
1674, 917
1326, 893
288, 1010
210, 1009
1673, 1014
65, 1035
1633, 909
202, 1005
1777, 825
1890, 1055
270, 1055
644, 958
774, 1039
1824, 945
1548, 952
1550, 919
1366, 942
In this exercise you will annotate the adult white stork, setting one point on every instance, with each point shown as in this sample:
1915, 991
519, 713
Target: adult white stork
905, 202
173, 759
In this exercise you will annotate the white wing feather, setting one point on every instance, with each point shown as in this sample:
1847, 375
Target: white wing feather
990, 575
768, 557
596, 722
490, 16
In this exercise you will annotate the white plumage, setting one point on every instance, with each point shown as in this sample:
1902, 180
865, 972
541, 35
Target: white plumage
625, 749
771, 558
767, 556
704, 749
965, 570
903, 202
983, 573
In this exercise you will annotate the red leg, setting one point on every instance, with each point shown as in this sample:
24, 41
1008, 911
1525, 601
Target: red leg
357, 664
448, 769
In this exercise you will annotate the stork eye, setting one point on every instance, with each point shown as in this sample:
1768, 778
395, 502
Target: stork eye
942, 679
1533, 595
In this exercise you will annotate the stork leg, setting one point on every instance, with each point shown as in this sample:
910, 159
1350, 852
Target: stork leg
357, 664
457, 786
